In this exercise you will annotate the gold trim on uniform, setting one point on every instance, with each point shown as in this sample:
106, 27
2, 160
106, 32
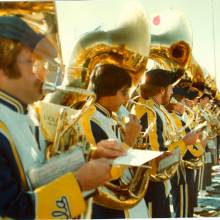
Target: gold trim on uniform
104, 110
150, 209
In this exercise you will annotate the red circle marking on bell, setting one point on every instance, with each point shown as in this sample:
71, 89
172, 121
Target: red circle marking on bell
156, 20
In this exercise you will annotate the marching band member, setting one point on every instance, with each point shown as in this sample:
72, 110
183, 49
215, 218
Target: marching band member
203, 173
120, 51
204, 101
183, 185
156, 92
21, 143
111, 85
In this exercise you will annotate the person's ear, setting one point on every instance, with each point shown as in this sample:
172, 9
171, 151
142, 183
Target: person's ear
162, 91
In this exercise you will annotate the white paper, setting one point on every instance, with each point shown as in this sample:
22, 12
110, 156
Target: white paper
135, 157
169, 160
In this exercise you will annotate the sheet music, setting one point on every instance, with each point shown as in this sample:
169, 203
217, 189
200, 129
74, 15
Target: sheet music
135, 157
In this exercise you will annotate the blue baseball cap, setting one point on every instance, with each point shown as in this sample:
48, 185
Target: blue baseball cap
14, 28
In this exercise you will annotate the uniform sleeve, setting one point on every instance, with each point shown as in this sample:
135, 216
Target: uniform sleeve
94, 133
15, 202
61, 198
182, 146
156, 139
190, 151
193, 151
97, 132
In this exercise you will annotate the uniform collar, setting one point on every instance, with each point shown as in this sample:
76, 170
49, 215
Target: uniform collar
150, 102
155, 103
13, 103
103, 110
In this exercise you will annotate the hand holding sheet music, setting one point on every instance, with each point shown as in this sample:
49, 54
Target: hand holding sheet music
135, 157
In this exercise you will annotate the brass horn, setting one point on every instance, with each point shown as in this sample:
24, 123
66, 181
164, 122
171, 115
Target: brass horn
124, 46
171, 45
170, 50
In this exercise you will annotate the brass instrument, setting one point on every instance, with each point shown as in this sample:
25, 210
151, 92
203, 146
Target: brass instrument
170, 50
156, 174
68, 132
188, 112
124, 46
197, 149
40, 15
194, 163
26, 7
207, 85
171, 135
211, 114
194, 72
141, 142
168, 57
212, 110
171, 45
189, 118
198, 78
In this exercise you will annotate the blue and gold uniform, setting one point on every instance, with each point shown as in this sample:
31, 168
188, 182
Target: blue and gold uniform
21, 147
183, 184
158, 208
99, 124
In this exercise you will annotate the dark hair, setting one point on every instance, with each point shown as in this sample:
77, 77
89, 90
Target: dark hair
107, 79
149, 90
205, 95
163, 78
178, 97
192, 93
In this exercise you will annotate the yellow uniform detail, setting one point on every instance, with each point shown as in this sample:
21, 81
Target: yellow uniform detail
139, 111
182, 146
196, 150
61, 198
116, 171
85, 123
